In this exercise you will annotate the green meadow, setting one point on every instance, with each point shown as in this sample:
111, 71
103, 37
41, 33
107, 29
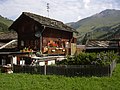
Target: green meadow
54, 82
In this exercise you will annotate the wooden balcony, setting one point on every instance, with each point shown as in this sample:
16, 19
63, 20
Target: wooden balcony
55, 50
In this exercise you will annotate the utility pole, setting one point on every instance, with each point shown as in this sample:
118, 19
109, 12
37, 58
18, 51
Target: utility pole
48, 8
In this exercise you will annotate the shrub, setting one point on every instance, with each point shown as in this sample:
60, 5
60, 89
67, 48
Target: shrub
102, 58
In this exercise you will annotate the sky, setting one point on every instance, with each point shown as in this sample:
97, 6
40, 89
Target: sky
62, 10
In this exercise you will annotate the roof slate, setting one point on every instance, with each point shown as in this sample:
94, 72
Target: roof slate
8, 35
101, 43
49, 22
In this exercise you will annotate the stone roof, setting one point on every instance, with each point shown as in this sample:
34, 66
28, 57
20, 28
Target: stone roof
101, 43
49, 22
8, 35
13, 45
45, 21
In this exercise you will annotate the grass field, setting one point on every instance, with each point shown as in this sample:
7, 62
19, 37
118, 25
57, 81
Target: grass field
52, 82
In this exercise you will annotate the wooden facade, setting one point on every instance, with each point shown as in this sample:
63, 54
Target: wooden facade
41, 33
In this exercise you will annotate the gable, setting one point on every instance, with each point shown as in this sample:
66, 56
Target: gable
44, 21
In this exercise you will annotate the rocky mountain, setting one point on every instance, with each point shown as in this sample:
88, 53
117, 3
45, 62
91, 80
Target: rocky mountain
103, 25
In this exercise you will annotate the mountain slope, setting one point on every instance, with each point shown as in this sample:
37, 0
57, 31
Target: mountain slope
98, 25
4, 24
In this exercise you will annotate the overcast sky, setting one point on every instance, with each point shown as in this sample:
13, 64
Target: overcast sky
62, 10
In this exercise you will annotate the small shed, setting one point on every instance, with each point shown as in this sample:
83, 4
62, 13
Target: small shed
103, 45
8, 42
44, 34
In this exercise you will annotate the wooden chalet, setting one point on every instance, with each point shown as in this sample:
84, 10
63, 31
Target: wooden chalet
41, 33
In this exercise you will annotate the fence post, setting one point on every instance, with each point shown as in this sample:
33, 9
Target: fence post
45, 69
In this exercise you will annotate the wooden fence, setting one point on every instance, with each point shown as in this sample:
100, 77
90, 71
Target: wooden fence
68, 70
0, 68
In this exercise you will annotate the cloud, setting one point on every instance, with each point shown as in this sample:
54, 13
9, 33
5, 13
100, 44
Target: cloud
15, 7
63, 10
86, 3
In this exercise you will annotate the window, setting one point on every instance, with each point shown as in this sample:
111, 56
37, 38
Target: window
22, 43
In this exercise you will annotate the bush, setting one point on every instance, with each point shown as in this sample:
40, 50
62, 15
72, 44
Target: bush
102, 58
